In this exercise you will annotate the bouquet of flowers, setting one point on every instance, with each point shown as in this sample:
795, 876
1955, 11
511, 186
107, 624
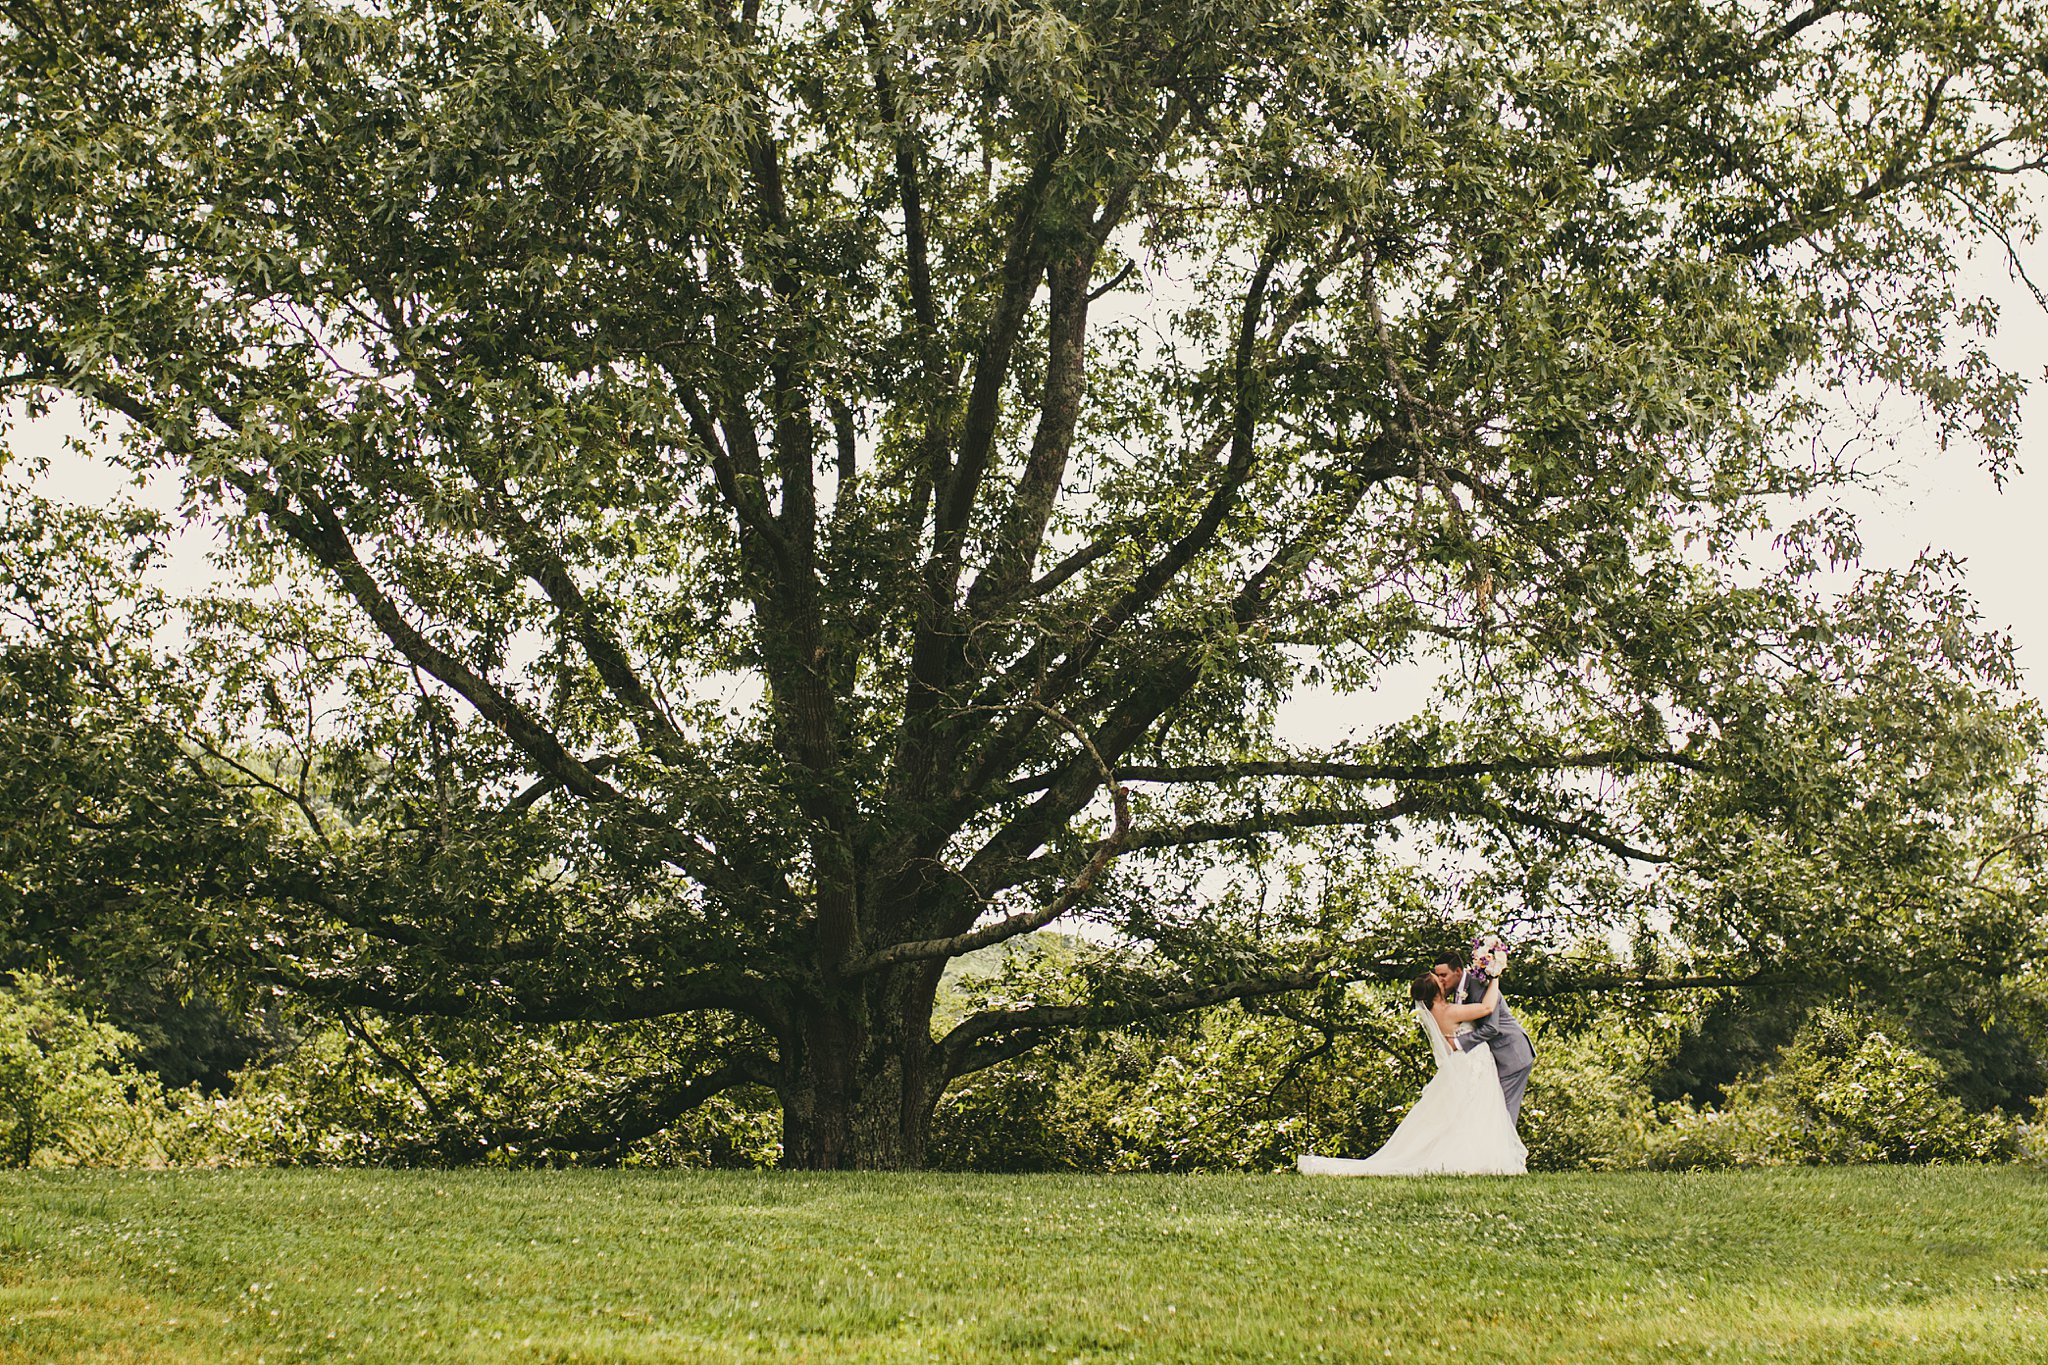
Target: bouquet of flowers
1489, 959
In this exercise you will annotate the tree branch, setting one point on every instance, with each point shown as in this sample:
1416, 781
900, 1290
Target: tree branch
640, 1109
707, 991
297, 798
1152, 693
607, 654
1023, 257
1001, 876
964, 1051
1095, 294
936, 647
1156, 576
1568, 829
397, 1064
1022, 533
318, 530
1014, 925
1379, 772
1074, 563
909, 180
526, 798
1277, 822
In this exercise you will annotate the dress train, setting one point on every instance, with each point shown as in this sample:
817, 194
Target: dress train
1459, 1125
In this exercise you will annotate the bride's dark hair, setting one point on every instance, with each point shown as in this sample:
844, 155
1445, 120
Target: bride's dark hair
1423, 990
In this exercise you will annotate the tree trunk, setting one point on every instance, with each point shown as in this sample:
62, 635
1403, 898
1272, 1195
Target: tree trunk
860, 1091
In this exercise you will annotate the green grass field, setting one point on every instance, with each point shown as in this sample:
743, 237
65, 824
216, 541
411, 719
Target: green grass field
1836, 1265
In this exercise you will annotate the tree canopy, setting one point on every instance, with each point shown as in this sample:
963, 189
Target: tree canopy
751, 503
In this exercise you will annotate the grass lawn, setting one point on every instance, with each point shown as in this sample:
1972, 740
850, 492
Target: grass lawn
1839, 1265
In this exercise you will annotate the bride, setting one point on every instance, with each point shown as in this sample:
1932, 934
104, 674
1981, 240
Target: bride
1460, 1125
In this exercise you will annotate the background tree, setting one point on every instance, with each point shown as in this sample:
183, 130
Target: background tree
780, 474
113, 828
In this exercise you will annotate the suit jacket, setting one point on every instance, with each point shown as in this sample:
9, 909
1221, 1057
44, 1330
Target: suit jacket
1500, 1030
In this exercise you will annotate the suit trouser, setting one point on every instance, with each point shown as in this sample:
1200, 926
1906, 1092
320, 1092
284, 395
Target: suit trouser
1514, 1084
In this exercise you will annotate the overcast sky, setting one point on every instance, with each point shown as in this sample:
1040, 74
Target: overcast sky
1948, 502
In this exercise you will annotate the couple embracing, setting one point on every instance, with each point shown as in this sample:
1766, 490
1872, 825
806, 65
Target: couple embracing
1464, 1123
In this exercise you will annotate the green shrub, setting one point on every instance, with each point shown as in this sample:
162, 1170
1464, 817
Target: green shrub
1234, 1089
68, 1097
1747, 1132
1872, 1099
739, 1130
1216, 1104
418, 1095
1842, 1093
1023, 1115
2030, 1139
324, 1100
1587, 1108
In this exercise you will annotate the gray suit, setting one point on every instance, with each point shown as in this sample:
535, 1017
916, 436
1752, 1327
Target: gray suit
1513, 1054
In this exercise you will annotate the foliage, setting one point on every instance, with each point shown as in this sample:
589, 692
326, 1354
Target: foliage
740, 505
1020, 1116
738, 1130
2032, 1136
1842, 1093
1911, 1266
73, 1094
68, 1095
361, 1093
111, 838
1228, 1095
1588, 1107
1989, 1034
1728, 1035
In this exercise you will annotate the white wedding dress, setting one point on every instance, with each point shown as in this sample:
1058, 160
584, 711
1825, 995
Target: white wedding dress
1459, 1126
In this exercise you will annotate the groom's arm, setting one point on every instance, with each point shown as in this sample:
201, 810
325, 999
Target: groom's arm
1482, 1031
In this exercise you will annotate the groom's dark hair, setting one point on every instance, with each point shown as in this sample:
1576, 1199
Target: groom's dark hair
1455, 961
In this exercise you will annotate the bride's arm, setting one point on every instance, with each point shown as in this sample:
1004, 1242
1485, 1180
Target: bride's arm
1458, 1014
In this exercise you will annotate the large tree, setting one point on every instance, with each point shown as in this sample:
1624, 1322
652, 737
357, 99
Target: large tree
829, 488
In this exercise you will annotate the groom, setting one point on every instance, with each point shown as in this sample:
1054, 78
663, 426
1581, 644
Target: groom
1514, 1056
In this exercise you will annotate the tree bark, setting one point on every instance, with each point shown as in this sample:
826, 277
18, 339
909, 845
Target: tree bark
863, 1078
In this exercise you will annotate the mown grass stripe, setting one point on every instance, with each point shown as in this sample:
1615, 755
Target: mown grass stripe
1878, 1264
